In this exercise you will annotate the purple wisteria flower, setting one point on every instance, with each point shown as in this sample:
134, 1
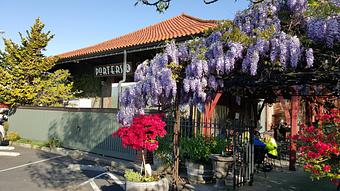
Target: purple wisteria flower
183, 52
295, 51
297, 6
259, 16
172, 51
324, 30
309, 58
212, 82
141, 71
213, 37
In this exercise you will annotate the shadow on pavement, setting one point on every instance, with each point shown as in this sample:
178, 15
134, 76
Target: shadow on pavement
55, 173
285, 180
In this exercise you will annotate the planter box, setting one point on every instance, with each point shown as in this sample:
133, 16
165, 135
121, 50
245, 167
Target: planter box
161, 185
198, 173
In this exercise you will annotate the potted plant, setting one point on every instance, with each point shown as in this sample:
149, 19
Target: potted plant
222, 160
196, 152
142, 135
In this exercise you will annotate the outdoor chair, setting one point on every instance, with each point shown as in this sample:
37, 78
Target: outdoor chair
282, 150
259, 160
270, 159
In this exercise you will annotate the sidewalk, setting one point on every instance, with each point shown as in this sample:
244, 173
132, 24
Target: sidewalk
284, 180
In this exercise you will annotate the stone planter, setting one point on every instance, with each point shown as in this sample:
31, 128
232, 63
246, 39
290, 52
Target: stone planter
198, 173
161, 185
222, 170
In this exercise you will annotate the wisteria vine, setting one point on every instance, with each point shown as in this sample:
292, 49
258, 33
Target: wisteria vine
197, 68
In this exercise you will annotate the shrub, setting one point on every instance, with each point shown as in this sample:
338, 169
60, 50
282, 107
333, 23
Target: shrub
319, 146
198, 149
53, 142
133, 176
12, 136
142, 135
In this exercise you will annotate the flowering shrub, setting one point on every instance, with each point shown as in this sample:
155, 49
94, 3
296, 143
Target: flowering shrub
319, 146
142, 134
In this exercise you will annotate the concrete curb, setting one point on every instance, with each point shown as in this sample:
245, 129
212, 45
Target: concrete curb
113, 163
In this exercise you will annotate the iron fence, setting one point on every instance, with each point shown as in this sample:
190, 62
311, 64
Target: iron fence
238, 133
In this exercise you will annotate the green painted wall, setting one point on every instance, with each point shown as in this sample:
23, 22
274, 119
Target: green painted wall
83, 129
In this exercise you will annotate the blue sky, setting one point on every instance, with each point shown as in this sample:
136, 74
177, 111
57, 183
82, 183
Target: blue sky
80, 23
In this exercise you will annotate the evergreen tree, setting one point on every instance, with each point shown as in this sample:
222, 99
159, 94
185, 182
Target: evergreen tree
25, 72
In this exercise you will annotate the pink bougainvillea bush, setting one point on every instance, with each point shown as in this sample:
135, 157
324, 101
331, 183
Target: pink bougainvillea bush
142, 133
319, 146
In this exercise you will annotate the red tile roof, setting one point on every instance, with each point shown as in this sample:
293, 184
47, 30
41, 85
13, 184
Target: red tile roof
179, 26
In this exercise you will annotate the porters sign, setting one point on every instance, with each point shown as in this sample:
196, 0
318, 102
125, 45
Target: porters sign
112, 70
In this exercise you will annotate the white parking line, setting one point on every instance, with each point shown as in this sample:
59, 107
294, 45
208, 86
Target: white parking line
8, 148
91, 179
117, 181
94, 186
27, 164
10, 154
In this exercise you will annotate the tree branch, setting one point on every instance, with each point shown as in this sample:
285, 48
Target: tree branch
209, 1
163, 5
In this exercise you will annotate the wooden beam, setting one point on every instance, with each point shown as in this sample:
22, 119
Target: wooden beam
294, 131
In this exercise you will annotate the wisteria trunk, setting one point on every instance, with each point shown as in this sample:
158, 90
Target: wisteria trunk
177, 127
143, 163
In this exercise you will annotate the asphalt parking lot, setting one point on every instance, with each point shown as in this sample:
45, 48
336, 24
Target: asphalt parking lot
38, 170
35, 170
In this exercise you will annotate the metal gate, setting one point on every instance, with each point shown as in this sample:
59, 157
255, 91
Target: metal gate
240, 133
243, 149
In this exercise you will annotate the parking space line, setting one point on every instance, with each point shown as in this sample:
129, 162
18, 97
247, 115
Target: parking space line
94, 186
91, 179
11, 154
27, 164
119, 182
7, 148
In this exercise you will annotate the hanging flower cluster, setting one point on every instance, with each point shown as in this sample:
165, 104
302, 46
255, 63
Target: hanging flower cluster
259, 16
142, 134
297, 6
319, 146
324, 30
154, 86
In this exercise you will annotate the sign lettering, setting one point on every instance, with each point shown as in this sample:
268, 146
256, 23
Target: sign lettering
112, 70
